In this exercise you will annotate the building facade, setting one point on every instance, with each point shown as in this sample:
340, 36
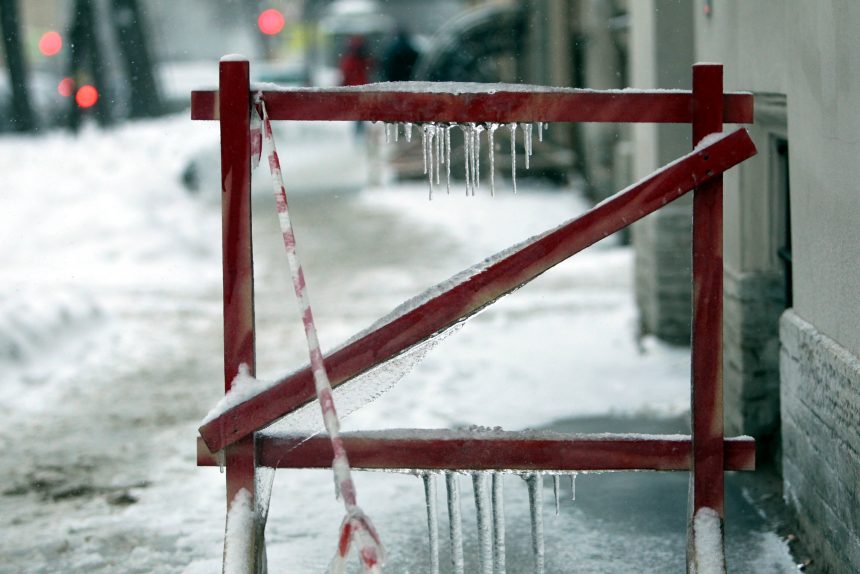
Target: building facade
791, 241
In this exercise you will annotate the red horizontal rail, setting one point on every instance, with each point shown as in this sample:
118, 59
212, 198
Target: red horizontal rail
435, 450
467, 297
498, 106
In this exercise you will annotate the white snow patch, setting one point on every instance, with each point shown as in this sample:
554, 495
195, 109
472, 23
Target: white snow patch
242, 388
708, 539
239, 539
457, 88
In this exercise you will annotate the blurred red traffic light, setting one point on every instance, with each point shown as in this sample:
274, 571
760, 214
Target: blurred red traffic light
50, 43
87, 96
271, 22
66, 87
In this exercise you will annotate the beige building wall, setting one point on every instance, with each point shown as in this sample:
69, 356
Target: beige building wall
801, 59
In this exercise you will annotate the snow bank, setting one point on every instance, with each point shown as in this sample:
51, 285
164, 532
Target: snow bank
93, 224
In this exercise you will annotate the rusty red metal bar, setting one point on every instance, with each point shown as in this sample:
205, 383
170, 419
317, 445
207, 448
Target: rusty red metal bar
500, 106
237, 256
481, 289
707, 329
432, 450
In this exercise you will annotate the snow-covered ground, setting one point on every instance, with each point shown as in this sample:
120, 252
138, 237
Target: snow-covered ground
110, 342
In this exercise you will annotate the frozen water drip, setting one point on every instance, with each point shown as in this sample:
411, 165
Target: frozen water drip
436, 151
535, 486
455, 521
432, 519
573, 486
448, 157
490, 132
476, 153
467, 158
429, 138
485, 521
498, 523
527, 141
556, 491
424, 148
440, 149
513, 128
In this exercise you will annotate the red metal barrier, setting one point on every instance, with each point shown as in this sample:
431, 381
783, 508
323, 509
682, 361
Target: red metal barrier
706, 453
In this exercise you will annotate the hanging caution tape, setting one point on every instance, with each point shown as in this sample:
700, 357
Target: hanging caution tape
356, 525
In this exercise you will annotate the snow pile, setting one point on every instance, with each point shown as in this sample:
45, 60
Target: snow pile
708, 533
93, 224
28, 324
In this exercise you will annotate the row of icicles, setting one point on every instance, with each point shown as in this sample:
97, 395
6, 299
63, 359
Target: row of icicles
489, 507
436, 141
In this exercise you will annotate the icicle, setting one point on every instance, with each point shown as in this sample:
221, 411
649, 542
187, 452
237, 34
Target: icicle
221, 458
424, 147
396, 132
527, 140
448, 157
472, 155
573, 486
513, 127
540, 131
535, 485
467, 158
485, 521
432, 520
408, 129
498, 523
556, 491
387, 132
492, 146
440, 144
455, 521
477, 149
430, 133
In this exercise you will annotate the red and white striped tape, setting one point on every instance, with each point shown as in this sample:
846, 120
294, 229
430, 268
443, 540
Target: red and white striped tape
356, 525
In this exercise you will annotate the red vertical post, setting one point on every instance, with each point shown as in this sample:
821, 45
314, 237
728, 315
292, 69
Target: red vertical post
707, 488
237, 256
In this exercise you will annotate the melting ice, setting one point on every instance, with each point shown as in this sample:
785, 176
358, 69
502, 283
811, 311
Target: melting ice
436, 150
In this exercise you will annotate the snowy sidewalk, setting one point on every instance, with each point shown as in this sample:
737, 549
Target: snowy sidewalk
98, 467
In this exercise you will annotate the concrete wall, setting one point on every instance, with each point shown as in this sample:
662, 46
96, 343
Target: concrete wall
603, 61
661, 54
749, 38
806, 52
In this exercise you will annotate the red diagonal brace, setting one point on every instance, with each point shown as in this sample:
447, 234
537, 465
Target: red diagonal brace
470, 295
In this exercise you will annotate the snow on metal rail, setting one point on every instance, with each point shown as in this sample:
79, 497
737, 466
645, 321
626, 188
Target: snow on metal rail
493, 103
463, 298
466, 450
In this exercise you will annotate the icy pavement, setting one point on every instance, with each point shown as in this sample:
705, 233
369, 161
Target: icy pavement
111, 337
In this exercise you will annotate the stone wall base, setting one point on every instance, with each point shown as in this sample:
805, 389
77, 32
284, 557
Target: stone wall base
753, 303
820, 408
663, 271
